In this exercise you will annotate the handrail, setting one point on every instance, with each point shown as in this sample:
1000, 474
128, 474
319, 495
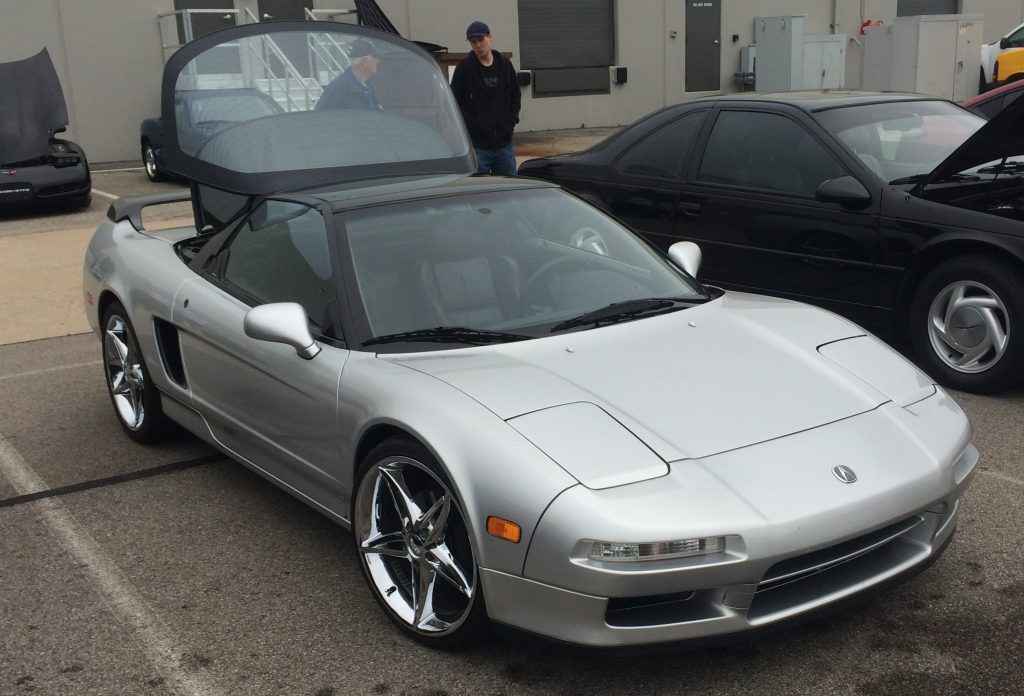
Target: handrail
270, 47
312, 14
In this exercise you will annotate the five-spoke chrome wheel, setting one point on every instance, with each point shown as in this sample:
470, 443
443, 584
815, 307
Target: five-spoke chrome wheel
414, 545
125, 373
153, 171
968, 326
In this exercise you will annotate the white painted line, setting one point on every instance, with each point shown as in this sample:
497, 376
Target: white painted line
105, 194
47, 370
122, 169
117, 591
1002, 477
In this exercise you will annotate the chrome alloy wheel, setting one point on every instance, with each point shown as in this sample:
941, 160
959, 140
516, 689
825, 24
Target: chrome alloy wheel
149, 159
414, 546
968, 326
125, 372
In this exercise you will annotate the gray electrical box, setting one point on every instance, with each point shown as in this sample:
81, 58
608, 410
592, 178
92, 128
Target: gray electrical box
937, 55
780, 53
788, 60
876, 59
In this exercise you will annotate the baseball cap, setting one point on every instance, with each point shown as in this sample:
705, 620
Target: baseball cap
360, 48
477, 28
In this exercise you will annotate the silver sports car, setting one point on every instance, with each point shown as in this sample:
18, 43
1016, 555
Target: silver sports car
525, 414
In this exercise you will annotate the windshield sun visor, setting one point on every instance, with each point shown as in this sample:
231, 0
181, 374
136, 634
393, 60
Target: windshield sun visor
286, 105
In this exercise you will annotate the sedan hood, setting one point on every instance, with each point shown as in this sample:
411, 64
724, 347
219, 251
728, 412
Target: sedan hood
1000, 138
740, 370
32, 107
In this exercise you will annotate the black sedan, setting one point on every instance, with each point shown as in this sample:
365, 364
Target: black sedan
36, 167
903, 212
201, 113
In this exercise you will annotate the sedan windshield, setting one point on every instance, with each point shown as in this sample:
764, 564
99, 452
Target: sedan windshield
901, 141
495, 267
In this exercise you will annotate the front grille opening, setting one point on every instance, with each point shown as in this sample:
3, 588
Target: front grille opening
658, 610
844, 568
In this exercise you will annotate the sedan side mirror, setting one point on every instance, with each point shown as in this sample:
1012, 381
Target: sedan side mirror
687, 256
844, 190
282, 322
1004, 42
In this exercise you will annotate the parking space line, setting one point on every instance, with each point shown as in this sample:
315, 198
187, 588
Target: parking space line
46, 370
1001, 476
122, 169
105, 194
159, 643
111, 480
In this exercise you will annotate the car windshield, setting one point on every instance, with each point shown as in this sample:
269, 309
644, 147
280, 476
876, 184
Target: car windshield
520, 263
901, 141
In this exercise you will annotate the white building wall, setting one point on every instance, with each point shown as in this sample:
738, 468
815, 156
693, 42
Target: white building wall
107, 52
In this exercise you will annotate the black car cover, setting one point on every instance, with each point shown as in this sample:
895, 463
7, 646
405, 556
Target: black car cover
31, 109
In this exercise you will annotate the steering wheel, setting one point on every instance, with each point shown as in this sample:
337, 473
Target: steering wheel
588, 239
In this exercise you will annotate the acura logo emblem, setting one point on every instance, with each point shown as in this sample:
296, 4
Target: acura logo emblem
844, 474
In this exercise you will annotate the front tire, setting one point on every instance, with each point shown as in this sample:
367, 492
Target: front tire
135, 398
967, 321
414, 546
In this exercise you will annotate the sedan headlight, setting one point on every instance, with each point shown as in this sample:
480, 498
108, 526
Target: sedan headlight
655, 550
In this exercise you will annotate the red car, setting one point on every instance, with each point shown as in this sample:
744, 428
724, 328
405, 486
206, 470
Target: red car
992, 102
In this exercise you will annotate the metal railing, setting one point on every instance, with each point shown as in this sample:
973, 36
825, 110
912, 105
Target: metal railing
268, 49
315, 15
187, 33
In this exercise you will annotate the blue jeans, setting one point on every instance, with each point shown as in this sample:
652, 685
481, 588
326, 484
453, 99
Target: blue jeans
500, 160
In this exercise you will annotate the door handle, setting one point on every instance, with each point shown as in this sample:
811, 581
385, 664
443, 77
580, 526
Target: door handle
689, 209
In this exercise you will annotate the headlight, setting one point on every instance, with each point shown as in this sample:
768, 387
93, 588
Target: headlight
655, 550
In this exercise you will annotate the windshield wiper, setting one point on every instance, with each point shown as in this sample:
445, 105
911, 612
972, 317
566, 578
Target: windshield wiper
448, 334
920, 177
627, 310
1002, 167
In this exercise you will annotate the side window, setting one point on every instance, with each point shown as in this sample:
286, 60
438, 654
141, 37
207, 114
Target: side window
1017, 38
280, 254
990, 108
660, 154
766, 151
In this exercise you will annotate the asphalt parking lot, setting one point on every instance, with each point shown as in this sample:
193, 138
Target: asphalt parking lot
127, 569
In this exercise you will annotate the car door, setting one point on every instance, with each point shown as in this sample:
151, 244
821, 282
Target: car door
750, 204
260, 399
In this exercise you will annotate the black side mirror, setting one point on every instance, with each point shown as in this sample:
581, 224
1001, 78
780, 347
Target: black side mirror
844, 190
1004, 42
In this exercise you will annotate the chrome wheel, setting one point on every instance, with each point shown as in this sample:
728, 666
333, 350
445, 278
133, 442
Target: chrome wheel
149, 160
126, 377
414, 546
968, 326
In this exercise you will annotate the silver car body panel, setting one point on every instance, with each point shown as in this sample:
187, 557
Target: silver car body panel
740, 447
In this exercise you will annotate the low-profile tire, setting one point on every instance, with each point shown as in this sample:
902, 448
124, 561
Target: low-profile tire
135, 398
149, 162
414, 546
967, 324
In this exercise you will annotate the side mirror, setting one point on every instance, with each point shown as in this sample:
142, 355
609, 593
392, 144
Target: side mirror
1004, 43
687, 256
844, 190
282, 322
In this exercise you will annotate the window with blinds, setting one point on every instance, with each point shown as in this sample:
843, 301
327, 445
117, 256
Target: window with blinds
568, 45
909, 8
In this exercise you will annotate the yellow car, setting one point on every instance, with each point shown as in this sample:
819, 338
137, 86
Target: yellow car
1008, 67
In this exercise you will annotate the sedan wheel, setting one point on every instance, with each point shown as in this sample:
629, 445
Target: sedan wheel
136, 401
414, 545
153, 171
966, 315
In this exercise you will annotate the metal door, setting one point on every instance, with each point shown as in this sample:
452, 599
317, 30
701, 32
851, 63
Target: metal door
703, 45
192, 25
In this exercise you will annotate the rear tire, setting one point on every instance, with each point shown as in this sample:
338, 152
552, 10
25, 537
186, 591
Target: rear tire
135, 398
414, 546
967, 324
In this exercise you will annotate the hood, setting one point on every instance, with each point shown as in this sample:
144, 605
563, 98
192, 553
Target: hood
1002, 137
737, 371
32, 107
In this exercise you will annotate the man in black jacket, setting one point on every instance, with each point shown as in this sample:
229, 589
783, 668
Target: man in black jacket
487, 91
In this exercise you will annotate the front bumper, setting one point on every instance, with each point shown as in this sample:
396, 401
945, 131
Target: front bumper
736, 610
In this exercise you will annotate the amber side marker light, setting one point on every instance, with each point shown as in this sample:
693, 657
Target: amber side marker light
503, 529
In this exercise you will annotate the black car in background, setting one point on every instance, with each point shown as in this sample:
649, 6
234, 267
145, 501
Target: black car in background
202, 113
36, 167
902, 212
